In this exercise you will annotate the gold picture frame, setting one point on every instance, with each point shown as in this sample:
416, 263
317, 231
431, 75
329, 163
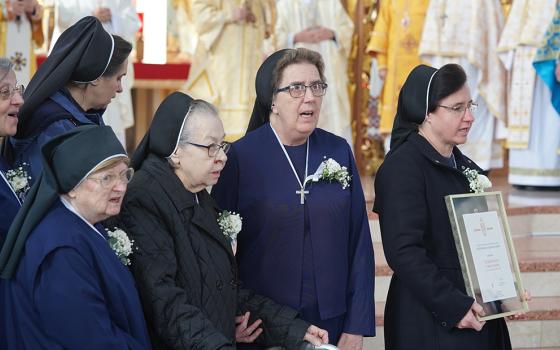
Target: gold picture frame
486, 253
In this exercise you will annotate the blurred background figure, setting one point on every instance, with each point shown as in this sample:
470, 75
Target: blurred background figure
394, 42
20, 32
186, 31
228, 54
472, 43
323, 26
529, 48
118, 17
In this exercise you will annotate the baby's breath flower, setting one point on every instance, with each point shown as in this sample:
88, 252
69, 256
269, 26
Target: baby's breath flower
121, 244
477, 182
19, 180
230, 223
330, 170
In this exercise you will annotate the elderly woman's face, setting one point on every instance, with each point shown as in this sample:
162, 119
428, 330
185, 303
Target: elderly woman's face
298, 114
10, 102
195, 167
107, 87
100, 195
452, 120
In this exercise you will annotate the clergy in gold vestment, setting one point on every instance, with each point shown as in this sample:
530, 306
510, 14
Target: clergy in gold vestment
533, 123
20, 32
394, 42
467, 32
228, 54
323, 26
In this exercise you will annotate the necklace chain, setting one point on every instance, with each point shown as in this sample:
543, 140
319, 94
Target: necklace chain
302, 191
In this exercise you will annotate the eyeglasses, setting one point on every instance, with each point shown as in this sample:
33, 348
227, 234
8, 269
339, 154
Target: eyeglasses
298, 90
461, 109
214, 148
110, 180
8, 92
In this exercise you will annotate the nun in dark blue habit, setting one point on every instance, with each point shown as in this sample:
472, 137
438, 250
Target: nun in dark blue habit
67, 286
12, 191
10, 103
305, 240
72, 87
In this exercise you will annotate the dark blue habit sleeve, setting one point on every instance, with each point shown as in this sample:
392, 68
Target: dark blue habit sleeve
9, 206
29, 150
360, 313
71, 306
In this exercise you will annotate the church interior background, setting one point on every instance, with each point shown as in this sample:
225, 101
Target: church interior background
163, 59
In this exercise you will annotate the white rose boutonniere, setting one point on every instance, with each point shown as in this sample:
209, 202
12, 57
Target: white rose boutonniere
230, 223
121, 244
477, 182
330, 170
19, 180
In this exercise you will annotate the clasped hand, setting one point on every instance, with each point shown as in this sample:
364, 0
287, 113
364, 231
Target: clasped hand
245, 333
30, 7
314, 35
243, 14
470, 320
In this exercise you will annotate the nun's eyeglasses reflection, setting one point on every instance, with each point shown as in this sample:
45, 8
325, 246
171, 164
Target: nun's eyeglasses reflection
461, 109
109, 180
297, 90
8, 92
214, 148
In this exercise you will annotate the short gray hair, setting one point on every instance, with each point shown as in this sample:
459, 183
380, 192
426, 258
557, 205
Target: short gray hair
6, 66
197, 107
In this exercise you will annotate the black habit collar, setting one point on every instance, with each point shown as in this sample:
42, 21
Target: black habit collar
463, 162
204, 216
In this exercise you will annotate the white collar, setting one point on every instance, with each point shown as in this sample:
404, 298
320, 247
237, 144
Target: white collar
70, 207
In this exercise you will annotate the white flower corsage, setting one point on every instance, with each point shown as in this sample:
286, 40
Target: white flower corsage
121, 244
330, 170
477, 182
18, 180
230, 224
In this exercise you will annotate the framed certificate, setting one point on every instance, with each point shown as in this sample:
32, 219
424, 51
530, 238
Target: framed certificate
486, 253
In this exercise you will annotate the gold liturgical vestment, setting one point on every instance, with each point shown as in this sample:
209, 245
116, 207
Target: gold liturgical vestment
226, 60
395, 39
17, 43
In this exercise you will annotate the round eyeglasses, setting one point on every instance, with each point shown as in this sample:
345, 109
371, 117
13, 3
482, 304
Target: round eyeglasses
214, 148
297, 90
461, 109
8, 92
110, 180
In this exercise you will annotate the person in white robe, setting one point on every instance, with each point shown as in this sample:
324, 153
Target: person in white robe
323, 26
529, 41
467, 32
229, 51
185, 29
118, 17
